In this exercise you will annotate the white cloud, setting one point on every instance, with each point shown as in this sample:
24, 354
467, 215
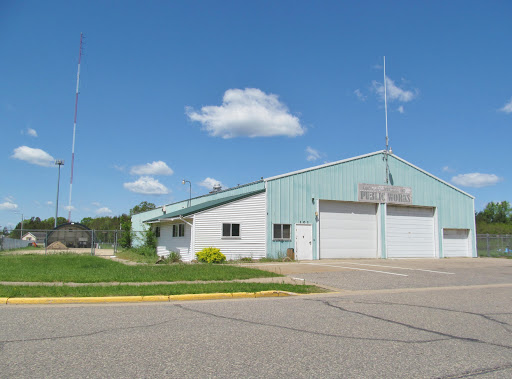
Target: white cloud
360, 95
507, 108
95, 203
119, 168
31, 132
393, 92
401, 109
476, 180
155, 168
448, 169
247, 112
34, 156
210, 182
70, 208
49, 203
313, 154
147, 185
8, 206
103, 211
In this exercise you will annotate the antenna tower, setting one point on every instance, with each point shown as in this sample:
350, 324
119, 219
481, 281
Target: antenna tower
74, 128
386, 113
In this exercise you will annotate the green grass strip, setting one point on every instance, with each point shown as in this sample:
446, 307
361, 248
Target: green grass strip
147, 290
89, 269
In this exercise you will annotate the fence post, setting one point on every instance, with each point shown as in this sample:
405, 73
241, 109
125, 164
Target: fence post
487, 239
92, 242
115, 242
46, 243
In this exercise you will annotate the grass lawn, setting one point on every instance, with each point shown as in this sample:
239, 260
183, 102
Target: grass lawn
131, 255
147, 290
89, 269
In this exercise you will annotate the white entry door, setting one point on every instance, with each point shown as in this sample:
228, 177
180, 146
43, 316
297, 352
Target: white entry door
303, 242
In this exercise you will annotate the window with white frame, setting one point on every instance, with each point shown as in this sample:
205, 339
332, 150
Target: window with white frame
230, 230
178, 230
282, 231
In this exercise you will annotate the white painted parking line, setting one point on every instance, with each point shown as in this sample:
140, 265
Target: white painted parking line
356, 268
400, 268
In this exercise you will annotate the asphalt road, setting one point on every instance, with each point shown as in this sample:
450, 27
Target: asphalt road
456, 331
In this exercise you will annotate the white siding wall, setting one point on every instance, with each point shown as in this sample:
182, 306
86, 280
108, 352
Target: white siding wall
178, 244
249, 213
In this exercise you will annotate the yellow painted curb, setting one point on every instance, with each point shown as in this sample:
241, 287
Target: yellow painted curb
132, 299
201, 296
155, 298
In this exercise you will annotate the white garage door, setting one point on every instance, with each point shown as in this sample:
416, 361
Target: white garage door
348, 230
456, 243
410, 232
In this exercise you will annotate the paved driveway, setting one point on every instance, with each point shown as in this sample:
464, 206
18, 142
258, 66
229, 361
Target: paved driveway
373, 274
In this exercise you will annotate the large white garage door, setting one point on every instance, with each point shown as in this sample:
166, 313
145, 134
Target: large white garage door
410, 232
348, 230
456, 243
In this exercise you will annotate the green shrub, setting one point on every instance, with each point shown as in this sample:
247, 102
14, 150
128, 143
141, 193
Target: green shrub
144, 251
246, 259
150, 239
174, 257
210, 255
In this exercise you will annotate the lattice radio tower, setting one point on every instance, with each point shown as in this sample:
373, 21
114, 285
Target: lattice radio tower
74, 129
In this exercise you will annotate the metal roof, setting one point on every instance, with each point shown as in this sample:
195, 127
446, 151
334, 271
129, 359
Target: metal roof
205, 195
203, 206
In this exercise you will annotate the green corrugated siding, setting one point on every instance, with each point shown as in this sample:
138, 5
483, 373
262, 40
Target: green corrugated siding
289, 199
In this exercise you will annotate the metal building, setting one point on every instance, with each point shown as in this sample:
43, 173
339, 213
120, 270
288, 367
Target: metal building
71, 235
342, 209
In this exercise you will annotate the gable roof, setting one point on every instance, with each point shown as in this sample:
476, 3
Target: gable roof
365, 156
203, 206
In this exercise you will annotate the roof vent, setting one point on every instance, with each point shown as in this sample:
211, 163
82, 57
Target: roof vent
216, 188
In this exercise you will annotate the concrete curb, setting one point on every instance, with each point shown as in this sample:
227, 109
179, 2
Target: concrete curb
138, 299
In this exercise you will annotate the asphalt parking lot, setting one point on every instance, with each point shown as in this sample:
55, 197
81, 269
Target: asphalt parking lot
438, 319
375, 274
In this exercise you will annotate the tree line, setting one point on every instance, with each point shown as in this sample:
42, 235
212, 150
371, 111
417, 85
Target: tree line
122, 222
495, 218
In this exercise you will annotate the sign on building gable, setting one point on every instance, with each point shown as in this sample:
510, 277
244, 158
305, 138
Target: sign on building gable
377, 193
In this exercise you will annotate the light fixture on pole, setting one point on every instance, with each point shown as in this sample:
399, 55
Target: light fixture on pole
190, 191
57, 163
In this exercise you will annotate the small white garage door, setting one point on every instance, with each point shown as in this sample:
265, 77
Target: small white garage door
410, 232
348, 230
456, 243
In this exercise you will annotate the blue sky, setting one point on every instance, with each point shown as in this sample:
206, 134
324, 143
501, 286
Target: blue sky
233, 91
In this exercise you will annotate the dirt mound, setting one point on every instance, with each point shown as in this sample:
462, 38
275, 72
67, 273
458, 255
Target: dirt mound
57, 245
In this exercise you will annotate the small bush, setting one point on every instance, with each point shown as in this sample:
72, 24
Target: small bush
174, 257
144, 251
210, 255
246, 259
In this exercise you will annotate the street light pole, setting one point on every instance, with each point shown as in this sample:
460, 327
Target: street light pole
58, 163
190, 191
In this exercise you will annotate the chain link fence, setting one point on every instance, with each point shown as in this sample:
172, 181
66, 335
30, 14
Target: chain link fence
494, 245
95, 242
